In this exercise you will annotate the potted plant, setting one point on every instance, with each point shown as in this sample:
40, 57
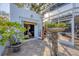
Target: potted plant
17, 38
12, 32
54, 28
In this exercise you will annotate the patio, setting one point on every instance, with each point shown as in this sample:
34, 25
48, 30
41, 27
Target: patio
64, 50
33, 47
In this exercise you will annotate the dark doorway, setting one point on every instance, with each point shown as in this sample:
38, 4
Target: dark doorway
30, 31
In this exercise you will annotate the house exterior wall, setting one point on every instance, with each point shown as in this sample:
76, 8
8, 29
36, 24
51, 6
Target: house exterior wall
22, 14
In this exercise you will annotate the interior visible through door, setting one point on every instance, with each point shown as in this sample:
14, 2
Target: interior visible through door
30, 31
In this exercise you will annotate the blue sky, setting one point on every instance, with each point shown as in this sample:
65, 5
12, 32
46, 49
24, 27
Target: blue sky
5, 7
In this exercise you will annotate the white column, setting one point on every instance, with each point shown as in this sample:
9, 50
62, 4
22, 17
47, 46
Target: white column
72, 29
72, 25
21, 21
36, 31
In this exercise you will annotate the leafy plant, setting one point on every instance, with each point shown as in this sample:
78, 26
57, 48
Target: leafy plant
56, 25
10, 31
61, 25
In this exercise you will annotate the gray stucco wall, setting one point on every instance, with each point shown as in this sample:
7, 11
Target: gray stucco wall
21, 14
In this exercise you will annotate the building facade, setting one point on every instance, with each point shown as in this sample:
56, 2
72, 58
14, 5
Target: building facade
67, 13
26, 17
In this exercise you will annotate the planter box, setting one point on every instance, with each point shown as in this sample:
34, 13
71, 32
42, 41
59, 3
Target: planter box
56, 29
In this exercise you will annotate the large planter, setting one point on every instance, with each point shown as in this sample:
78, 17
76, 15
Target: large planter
56, 29
54, 38
16, 47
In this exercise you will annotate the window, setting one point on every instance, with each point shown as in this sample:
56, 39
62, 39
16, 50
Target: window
57, 6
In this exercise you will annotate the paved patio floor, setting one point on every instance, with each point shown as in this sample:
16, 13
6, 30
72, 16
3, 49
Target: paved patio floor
34, 47
64, 50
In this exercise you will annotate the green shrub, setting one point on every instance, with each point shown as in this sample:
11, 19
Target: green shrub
56, 25
8, 29
61, 25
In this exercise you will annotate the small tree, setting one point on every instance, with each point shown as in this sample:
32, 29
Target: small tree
10, 29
